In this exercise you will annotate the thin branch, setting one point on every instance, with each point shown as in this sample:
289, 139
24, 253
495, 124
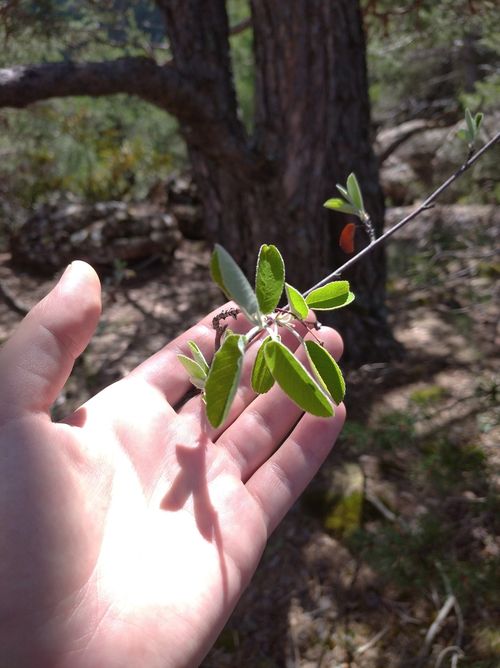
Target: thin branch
240, 27
452, 649
425, 205
414, 127
384, 510
436, 627
373, 641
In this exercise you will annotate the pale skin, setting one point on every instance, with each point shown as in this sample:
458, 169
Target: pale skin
129, 532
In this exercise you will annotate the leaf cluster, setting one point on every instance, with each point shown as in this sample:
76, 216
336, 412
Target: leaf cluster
315, 386
471, 131
351, 201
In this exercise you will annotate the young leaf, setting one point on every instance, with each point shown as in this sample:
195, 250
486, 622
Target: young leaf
269, 278
327, 370
198, 356
295, 381
330, 296
234, 283
355, 192
223, 377
471, 126
338, 204
262, 380
296, 302
192, 367
197, 375
343, 192
478, 119
197, 382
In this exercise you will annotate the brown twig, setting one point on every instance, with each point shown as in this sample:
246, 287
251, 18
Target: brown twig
435, 628
240, 27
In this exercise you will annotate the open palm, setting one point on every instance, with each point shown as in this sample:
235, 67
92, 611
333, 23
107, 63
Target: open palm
130, 531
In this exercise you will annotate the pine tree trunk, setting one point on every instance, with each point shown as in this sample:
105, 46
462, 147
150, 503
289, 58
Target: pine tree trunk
312, 128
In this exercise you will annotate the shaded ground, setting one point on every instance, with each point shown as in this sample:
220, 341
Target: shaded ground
402, 526
142, 310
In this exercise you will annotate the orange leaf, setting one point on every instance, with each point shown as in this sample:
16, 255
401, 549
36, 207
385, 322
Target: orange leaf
346, 241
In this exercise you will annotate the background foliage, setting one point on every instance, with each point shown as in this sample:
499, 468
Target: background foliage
428, 63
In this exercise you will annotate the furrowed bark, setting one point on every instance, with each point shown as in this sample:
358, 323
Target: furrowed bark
312, 128
198, 33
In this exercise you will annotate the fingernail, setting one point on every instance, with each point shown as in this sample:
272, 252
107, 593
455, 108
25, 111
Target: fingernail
65, 279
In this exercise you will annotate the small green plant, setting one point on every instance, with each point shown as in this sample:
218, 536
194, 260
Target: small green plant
351, 203
319, 386
470, 133
315, 389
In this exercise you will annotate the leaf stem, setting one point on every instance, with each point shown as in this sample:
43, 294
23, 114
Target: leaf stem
252, 334
292, 329
425, 205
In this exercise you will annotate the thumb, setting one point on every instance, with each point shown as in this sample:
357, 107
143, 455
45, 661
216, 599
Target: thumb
38, 358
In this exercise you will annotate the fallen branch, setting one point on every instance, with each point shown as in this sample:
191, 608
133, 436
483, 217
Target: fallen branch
435, 628
457, 655
373, 641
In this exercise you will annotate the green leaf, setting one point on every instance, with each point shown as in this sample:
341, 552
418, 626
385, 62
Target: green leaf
330, 296
197, 374
192, 367
338, 204
343, 192
216, 273
262, 380
295, 381
355, 192
197, 382
198, 356
296, 302
478, 119
269, 278
471, 126
234, 283
223, 378
327, 370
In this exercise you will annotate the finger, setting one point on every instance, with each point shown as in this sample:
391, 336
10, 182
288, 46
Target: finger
278, 483
258, 431
164, 371
38, 359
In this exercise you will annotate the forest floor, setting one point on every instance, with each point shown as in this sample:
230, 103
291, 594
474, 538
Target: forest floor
392, 557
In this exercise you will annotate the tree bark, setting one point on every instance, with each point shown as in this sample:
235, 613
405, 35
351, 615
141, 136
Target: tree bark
312, 128
22, 85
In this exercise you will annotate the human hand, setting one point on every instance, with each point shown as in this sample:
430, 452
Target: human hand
129, 531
